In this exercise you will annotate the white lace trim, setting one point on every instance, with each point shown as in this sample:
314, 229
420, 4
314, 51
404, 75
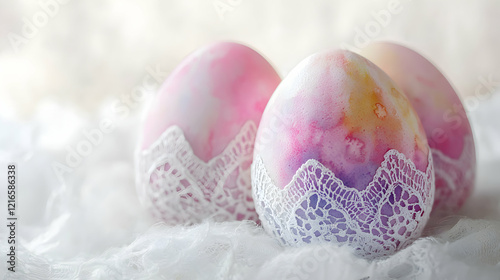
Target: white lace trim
458, 176
315, 206
178, 187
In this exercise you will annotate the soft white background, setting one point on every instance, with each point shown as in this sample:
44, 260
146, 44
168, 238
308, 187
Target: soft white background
61, 81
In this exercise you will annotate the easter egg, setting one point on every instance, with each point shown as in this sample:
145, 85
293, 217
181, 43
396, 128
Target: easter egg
341, 157
443, 118
196, 147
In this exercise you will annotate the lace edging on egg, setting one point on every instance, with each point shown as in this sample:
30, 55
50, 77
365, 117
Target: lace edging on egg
455, 185
178, 187
316, 206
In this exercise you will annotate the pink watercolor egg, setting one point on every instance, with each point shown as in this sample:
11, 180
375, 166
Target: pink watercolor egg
196, 147
341, 156
442, 115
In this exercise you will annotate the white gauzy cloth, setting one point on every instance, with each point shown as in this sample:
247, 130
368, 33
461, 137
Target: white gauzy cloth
90, 225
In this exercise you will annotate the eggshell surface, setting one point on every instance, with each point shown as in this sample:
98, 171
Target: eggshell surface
443, 118
197, 139
342, 111
342, 157
211, 95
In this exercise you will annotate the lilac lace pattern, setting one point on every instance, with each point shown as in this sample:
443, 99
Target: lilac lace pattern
316, 206
180, 188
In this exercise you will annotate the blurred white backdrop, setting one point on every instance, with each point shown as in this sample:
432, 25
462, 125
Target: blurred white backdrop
80, 53
63, 63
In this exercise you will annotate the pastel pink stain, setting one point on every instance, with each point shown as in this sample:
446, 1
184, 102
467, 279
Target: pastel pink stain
441, 112
210, 96
343, 111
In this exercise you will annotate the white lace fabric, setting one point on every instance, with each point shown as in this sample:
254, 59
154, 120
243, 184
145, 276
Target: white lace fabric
180, 188
316, 206
455, 177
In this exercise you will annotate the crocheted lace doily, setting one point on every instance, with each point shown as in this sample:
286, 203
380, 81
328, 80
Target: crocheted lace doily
453, 185
316, 206
178, 187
